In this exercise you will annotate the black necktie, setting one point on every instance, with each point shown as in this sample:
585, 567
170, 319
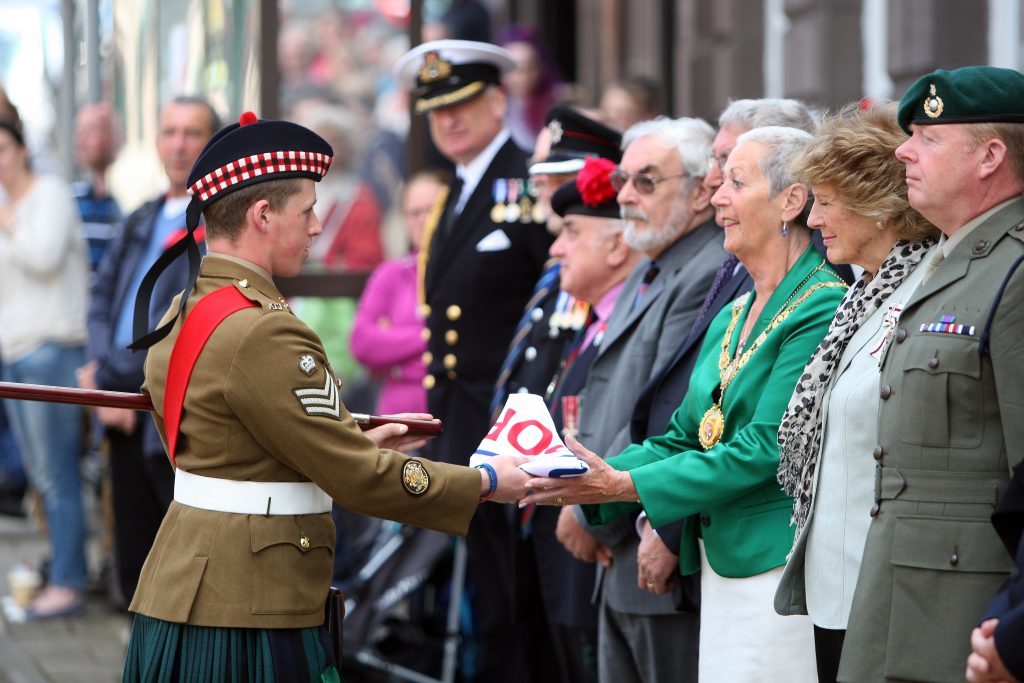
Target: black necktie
454, 194
652, 272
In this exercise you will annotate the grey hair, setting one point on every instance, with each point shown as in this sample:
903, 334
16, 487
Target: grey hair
750, 114
784, 145
691, 137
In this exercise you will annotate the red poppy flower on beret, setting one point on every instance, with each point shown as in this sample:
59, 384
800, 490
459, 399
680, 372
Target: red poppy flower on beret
594, 181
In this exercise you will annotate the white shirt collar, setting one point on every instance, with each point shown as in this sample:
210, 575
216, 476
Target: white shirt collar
472, 172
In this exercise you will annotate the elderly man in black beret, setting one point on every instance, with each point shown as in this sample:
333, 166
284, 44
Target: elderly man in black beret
248, 407
951, 387
480, 260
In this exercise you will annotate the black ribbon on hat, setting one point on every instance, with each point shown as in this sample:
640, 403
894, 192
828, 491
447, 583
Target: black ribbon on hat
144, 298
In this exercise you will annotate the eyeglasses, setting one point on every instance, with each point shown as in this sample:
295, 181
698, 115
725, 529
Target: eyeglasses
644, 183
718, 161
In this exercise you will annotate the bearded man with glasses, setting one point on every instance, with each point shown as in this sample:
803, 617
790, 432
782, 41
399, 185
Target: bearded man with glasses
668, 218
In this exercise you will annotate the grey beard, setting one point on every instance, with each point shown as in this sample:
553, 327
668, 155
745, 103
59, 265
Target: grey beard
656, 236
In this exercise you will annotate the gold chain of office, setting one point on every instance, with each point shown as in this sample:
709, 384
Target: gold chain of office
712, 425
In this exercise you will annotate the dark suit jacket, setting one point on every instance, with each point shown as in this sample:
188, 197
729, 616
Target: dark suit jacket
119, 369
1008, 605
533, 363
478, 295
567, 584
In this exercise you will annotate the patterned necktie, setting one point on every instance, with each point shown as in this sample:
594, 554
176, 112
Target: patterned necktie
722, 276
652, 272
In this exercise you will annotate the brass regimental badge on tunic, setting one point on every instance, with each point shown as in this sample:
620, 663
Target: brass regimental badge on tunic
415, 478
933, 104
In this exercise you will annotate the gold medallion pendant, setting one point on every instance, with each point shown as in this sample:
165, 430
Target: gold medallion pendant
711, 427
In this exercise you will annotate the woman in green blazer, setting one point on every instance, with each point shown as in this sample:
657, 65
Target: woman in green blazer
718, 460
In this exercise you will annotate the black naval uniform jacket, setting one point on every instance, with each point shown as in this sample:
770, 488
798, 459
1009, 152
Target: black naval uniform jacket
476, 292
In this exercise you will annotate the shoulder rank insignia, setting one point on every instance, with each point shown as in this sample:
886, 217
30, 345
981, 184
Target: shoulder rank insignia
307, 364
415, 478
325, 401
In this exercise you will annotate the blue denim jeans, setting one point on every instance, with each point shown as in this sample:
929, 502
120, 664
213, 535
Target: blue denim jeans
49, 436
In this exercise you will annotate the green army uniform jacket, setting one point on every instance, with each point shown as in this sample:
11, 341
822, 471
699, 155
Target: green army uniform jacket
950, 426
243, 420
743, 512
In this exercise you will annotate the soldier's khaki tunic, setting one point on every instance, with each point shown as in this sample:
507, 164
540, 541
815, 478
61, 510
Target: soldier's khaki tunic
950, 427
242, 420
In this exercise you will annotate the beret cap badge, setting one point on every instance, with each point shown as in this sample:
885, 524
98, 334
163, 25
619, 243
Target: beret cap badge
933, 104
555, 128
434, 68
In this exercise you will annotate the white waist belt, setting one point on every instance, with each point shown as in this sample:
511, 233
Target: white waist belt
250, 497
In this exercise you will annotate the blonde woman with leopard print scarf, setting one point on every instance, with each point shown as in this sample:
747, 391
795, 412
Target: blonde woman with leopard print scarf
827, 435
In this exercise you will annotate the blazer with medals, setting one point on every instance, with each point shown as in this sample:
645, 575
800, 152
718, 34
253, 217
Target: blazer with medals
744, 513
479, 276
950, 428
641, 337
243, 420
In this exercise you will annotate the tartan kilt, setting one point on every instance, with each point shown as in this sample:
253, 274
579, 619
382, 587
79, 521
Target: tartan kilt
164, 652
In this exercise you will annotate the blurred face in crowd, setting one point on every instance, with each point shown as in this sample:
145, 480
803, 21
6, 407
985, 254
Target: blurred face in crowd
724, 141
184, 130
748, 215
94, 136
547, 183
620, 109
463, 130
848, 236
417, 203
654, 218
13, 159
292, 229
940, 161
521, 81
590, 248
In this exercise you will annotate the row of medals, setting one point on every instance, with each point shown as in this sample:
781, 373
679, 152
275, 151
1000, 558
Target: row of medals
515, 201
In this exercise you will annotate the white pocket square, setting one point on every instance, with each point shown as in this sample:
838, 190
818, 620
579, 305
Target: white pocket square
495, 241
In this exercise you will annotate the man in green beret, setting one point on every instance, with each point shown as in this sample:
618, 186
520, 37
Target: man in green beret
951, 387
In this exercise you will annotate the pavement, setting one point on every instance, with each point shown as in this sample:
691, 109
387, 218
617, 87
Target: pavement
84, 649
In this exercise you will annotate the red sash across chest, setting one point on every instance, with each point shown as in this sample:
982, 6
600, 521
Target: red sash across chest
200, 323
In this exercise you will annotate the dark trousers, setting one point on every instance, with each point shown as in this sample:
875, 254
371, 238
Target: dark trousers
142, 488
828, 646
499, 649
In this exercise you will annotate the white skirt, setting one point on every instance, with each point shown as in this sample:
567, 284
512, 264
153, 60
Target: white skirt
741, 636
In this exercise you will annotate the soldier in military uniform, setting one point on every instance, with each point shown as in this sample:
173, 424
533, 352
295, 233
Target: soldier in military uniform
952, 387
249, 409
480, 261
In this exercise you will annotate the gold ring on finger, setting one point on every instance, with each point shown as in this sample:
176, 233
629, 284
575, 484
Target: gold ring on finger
559, 501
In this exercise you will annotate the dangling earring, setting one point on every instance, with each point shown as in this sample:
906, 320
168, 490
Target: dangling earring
785, 229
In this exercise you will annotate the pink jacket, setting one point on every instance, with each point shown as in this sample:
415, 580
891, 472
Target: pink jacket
388, 336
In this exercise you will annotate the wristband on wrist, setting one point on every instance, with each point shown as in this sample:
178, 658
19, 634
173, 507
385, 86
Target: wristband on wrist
492, 475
